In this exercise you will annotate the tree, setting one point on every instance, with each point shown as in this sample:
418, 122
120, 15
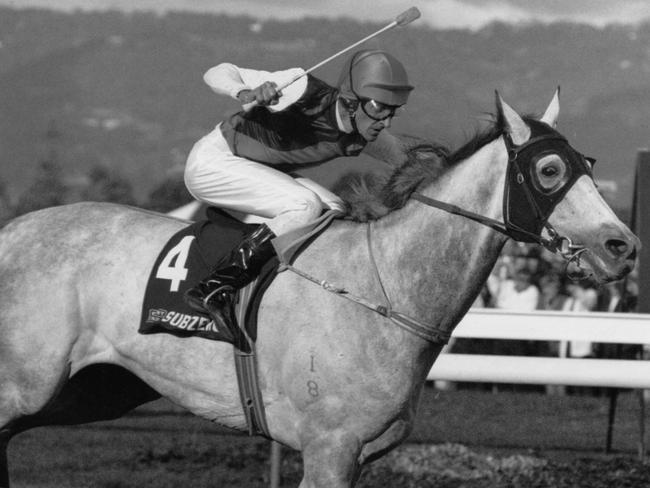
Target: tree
108, 186
6, 210
47, 190
170, 194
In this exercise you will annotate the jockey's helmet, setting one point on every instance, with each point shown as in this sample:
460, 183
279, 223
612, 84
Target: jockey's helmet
374, 75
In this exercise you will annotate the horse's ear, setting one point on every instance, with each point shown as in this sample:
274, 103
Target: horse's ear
514, 124
553, 110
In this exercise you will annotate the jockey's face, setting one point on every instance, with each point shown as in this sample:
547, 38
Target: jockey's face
368, 126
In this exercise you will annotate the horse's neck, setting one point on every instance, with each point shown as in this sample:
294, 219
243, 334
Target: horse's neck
433, 263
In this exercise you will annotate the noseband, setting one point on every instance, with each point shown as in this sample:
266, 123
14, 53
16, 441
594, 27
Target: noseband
526, 204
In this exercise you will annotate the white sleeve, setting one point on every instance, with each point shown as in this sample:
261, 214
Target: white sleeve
228, 79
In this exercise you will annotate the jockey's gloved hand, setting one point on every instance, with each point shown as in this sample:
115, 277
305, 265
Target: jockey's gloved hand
265, 94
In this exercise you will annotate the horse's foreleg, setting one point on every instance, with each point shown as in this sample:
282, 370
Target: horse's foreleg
389, 440
331, 462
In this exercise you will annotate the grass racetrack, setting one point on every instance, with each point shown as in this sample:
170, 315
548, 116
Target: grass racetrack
462, 439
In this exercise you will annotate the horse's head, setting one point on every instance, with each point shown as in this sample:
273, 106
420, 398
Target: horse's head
551, 198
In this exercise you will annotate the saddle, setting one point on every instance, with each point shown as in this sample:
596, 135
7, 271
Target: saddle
187, 258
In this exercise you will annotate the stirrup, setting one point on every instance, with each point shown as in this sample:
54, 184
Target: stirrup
225, 320
226, 290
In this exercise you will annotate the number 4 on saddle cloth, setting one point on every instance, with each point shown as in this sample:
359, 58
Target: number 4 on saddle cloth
188, 257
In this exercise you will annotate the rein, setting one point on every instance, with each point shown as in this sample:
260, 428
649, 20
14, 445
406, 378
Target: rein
526, 209
557, 244
428, 332
526, 212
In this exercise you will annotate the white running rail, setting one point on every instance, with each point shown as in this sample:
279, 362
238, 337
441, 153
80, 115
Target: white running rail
622, 328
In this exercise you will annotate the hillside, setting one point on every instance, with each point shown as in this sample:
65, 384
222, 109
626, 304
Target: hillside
125, 91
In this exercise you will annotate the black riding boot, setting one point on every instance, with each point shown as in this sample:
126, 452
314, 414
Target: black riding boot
215, 294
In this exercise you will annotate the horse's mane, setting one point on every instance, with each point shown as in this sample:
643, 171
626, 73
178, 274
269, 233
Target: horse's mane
370, 196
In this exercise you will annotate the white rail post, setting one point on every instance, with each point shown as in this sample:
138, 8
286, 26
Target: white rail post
642, 448
640, 212
276, 461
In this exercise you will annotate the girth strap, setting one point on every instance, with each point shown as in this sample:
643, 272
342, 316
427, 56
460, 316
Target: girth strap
247, 373
246, 363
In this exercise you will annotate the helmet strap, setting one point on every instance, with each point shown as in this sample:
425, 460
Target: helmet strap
352, 111
353, 121
350, 106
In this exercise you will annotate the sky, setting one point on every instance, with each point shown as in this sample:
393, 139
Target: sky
444, 14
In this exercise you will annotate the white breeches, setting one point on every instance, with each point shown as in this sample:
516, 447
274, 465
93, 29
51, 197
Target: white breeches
216, 176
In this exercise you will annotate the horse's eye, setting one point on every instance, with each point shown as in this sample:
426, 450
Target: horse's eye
550, 172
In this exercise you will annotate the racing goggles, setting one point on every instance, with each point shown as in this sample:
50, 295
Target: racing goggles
377, 110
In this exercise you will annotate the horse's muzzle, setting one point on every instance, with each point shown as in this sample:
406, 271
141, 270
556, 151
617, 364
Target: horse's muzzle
619, 256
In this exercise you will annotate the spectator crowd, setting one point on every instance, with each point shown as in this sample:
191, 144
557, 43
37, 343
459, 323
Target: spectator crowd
527, 277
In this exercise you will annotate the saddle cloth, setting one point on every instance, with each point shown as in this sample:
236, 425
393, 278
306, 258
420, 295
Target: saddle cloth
187, 258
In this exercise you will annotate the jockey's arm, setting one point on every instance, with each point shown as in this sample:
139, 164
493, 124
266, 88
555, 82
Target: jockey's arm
230, 80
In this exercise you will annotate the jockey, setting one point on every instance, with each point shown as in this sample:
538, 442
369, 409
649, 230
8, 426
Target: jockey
241, 165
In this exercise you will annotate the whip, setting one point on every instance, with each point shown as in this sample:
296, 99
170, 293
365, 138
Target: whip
401, 20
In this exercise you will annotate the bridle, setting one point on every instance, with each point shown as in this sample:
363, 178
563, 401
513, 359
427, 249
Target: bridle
527, 206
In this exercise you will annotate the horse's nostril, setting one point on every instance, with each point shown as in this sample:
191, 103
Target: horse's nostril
618, 248
632, 255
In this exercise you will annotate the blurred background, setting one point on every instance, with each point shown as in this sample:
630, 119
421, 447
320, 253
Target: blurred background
103, 99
